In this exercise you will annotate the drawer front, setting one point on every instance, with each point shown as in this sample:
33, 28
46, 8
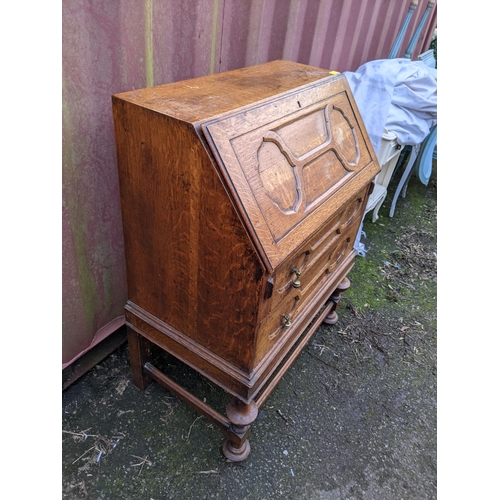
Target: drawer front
320, 249
292, 162
316, 263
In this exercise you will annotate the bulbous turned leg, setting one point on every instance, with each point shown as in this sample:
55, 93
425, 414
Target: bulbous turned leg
333, 317
236, 446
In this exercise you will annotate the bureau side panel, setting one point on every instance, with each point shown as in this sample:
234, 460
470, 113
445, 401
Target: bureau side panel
189, 260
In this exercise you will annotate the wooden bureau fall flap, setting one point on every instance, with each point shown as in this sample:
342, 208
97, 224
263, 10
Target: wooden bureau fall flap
241, 194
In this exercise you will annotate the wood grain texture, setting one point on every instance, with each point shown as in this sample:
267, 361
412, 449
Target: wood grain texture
178, 223
203, 98
241, 194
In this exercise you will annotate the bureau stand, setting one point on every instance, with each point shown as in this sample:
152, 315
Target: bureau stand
239, 414
241, 194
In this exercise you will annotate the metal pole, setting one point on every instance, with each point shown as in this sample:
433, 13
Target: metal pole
399, 39
414, 38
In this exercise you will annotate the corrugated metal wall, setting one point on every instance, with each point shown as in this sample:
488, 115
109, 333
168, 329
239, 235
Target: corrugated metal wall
111, 46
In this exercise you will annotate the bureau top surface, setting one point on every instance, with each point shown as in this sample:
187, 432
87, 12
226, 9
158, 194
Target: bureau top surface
201, 98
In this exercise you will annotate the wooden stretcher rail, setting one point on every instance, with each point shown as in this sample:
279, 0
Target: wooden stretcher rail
186, 396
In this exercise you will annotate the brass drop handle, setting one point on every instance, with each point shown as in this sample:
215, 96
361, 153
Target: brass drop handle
296, 281
285, 320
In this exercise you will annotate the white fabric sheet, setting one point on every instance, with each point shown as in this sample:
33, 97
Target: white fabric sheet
398, 95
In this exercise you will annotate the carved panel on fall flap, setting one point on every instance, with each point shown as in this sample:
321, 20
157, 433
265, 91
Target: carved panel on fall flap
278, 177
344, 137
302, 161
290, 170
320, 176
306, 133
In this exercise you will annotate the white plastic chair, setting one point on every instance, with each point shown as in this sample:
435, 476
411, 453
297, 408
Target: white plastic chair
387, 156
421, 160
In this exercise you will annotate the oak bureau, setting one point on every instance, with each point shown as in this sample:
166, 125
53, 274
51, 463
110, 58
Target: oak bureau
241, 194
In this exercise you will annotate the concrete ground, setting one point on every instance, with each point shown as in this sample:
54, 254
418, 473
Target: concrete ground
354, 418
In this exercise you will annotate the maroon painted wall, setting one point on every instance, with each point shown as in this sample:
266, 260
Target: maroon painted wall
110, 46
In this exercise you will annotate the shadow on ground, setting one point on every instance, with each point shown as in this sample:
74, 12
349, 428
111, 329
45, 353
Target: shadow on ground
354, 418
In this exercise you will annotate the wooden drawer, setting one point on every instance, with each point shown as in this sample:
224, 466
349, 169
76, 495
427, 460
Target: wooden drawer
316, 261
319, 248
